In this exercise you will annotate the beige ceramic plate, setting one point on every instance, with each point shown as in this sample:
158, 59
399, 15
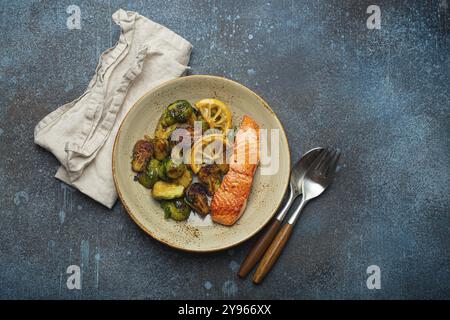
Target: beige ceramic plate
197, 234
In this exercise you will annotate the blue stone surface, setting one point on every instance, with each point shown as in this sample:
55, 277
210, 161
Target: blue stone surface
381, 96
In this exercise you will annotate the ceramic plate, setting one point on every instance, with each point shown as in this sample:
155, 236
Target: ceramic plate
198, 234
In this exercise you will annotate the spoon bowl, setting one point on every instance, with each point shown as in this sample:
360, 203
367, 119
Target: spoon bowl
299, 170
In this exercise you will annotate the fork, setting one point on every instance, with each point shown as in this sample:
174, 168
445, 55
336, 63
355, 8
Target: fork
317, 179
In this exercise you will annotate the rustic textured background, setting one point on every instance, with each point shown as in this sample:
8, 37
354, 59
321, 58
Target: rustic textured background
381, 96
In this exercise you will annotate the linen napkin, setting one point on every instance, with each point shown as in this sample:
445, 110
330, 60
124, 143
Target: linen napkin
81, 133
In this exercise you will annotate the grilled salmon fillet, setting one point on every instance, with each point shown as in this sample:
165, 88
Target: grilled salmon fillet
229, 201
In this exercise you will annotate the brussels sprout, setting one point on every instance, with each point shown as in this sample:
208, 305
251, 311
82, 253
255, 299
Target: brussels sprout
145, 180
142, 152
154, 166
176, 209
164, 132
166, 206
151, 175
211, 176
162, 171
161, 148
172, 169
223, 168
196, 198
148, 177
186, 138
167, 191
180, 111
167, 119
185, 180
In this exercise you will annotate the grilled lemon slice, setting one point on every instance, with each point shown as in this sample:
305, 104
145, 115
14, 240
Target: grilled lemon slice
215, 113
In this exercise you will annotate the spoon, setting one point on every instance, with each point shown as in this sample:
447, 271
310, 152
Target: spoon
295, 189
317, 179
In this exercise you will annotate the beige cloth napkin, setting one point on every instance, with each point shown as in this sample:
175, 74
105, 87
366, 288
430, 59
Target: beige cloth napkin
81, 133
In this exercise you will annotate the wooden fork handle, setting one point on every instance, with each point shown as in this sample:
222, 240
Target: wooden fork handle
272, 254
259, 248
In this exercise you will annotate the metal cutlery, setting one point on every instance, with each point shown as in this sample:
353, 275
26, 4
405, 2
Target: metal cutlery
317, 178
295, 189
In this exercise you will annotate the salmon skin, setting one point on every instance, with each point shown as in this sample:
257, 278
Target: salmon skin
229, 201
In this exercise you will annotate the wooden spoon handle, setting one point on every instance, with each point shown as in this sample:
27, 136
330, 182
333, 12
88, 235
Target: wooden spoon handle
259, 248
272, 254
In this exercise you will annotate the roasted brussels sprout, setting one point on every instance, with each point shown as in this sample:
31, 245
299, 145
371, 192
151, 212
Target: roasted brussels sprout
167, 119
196, 198
162, 172
223, 168
153, 167
151, 175
181, 111
211, 176
185, 180
164, 132
166, 206
167, 191
173, 170
161, 148
148, 177
145, 180
185, 138
176, 209
142, 152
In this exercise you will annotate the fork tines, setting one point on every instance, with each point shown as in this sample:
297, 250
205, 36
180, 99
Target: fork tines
326, 163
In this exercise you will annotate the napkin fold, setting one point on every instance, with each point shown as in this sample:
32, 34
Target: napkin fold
81, 133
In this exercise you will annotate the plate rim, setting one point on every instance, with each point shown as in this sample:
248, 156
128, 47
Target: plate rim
128, 210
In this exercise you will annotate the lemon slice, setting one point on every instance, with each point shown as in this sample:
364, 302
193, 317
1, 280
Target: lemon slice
208, 149
216, 113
